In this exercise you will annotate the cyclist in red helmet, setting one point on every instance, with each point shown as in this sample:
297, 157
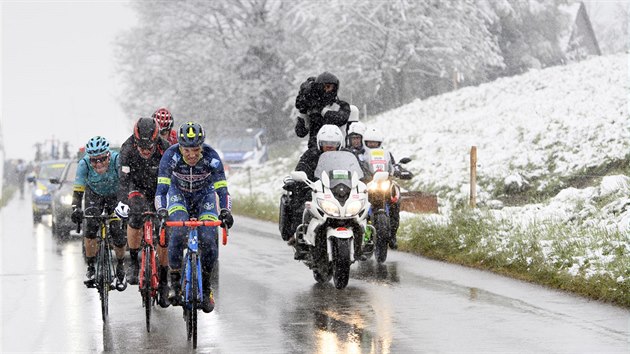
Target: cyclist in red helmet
165, 120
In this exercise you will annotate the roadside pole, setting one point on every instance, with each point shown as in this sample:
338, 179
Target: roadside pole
473, 177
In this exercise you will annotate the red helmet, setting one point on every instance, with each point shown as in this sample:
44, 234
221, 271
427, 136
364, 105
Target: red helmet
164, 119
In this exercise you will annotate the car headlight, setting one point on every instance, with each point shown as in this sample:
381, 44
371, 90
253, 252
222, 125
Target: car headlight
66, 199
354, 207
329, 207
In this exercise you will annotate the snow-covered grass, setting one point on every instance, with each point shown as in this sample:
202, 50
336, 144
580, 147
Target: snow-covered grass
557, 140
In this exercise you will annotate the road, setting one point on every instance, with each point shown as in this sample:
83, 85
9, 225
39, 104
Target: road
269, 303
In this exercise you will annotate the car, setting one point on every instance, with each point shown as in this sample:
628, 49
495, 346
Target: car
243, 148
41, 196
62, 201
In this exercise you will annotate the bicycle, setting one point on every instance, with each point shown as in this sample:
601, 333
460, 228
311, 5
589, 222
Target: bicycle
148, 279
104, 276
191, 280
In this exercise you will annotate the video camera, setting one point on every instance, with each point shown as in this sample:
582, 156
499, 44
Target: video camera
310, 95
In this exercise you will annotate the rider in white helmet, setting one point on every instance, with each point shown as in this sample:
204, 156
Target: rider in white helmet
380, 159
329, 138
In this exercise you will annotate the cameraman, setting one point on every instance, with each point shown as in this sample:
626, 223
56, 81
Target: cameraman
318, 105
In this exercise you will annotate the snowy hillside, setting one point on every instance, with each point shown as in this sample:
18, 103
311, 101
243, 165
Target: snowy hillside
544, 124
541, 125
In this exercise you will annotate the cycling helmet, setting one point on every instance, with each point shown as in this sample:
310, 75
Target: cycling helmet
97, 146
146, 132
328, 78
164, 118
190, 135
329, 135
372, 134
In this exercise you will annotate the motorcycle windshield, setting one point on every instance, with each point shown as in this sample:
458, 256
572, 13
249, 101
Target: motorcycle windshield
339, 166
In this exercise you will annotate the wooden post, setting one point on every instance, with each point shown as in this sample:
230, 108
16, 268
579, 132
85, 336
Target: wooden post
473, 177
455, 79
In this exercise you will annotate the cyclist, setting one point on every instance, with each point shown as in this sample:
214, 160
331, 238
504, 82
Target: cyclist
191, 175
165, 120
97, 178
140, 158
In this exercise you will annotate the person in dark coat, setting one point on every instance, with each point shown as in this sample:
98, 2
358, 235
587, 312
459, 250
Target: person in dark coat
318, 104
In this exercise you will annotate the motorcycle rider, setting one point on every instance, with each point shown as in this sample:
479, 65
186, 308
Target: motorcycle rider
373, 140
190, 177
165, 120
97, 178
140, 158
318, 104
329, 138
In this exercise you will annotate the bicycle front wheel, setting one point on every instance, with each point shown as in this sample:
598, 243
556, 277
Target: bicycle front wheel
193, 297
146, 285
104, 278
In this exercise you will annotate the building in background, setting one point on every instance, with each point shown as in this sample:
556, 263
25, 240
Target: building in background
578, 40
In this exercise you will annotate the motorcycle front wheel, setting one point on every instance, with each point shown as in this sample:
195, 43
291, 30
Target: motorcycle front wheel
381, 224
341, 262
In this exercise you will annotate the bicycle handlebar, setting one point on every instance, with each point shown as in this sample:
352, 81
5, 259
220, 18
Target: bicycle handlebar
196, 223
193, 223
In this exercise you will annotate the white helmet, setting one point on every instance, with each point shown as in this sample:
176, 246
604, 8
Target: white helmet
329, 135
357, 128
372, 134
354, 114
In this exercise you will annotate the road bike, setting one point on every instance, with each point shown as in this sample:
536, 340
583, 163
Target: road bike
148, 278
104, 276
192, 286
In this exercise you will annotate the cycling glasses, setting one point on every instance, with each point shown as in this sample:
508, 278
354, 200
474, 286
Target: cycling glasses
99, 159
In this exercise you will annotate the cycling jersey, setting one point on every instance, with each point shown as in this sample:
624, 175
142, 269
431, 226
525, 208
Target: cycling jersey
102, 184
137, 173
207, 176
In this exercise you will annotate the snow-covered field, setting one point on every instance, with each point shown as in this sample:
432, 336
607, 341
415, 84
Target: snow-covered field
538, 127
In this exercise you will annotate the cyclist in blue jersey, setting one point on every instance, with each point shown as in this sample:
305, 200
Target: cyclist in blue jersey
190, 178
97, 179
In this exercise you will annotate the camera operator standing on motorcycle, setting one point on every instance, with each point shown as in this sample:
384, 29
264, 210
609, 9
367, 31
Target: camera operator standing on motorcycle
318, 105
140, 158
190, 178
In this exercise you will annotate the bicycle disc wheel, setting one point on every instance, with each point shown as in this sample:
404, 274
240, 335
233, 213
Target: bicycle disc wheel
146, 286
194, 292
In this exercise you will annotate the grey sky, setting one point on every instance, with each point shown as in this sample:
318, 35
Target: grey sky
57, 73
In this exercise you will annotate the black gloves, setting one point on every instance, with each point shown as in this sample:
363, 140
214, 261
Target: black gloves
77, 215
226, 218
162, 214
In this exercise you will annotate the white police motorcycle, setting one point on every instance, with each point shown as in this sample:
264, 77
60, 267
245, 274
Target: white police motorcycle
335, 217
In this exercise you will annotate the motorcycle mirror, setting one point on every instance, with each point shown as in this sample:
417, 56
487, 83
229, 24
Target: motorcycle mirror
404, 160
299, 176
325, 179
355, 178
54, 181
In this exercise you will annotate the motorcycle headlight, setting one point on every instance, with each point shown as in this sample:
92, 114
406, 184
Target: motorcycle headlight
39, 192
382, 186
66, 199
354, 207
329, 207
